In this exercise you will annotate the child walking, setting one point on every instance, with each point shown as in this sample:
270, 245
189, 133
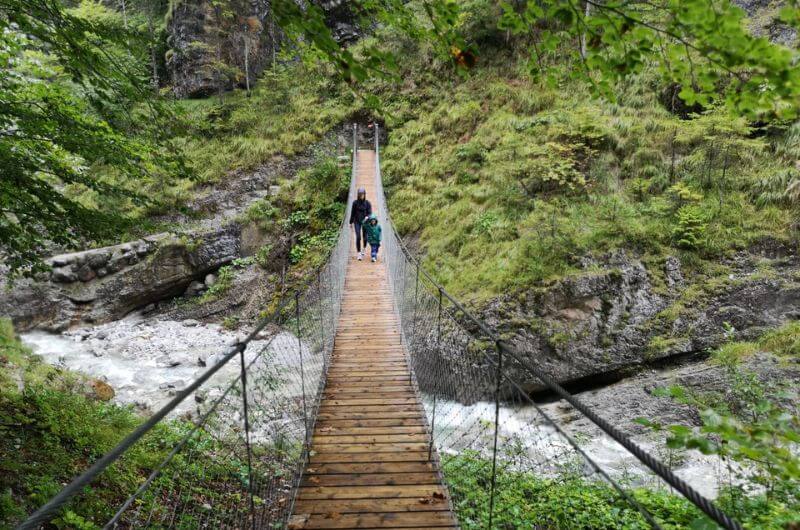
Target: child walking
373, 230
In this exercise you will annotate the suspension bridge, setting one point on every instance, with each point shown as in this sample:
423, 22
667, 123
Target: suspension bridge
374, 387
371, 463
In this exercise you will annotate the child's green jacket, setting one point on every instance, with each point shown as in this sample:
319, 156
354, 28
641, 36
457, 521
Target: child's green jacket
373, 232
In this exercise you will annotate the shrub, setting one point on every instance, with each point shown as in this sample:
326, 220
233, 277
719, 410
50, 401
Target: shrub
690, 228
565, 502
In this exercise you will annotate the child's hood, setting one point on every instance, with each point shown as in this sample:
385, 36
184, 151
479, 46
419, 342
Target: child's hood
371, 217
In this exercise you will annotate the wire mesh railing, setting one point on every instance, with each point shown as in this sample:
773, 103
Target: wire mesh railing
238, 461
485, 425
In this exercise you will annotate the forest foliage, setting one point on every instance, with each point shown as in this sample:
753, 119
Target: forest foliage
90, 149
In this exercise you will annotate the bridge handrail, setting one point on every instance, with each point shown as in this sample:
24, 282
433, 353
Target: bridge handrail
337, 253
505, 349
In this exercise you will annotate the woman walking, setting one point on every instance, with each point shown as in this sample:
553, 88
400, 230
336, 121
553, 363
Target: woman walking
359, 214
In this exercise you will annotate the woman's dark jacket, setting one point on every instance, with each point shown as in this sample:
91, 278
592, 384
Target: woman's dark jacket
360, 211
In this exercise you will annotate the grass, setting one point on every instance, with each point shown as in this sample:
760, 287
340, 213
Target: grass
292, 107
53, 427
545, 175
783, 342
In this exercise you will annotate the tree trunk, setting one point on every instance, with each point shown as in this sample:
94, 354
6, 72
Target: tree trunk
154, 81
124, 15
247, 63
587, 7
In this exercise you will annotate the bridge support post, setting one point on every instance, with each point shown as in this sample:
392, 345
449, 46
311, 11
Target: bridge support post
403, 297
322, 323
411, 343
496, 430
245, 411
302, 370
436, 380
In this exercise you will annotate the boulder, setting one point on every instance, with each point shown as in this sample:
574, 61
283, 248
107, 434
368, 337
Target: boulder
195, 288
102, 390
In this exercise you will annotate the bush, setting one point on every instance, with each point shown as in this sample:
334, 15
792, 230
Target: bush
690, 230
524, 499
53, 429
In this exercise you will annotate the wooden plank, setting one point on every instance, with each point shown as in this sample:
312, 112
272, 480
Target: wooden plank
339, 389
328, 458
371, 479
379, 520
371, 423
365, 412
399, 447
365, 389
370, 492
325, 439
412, 504
369, 400
364, 378
330, 430
371, 467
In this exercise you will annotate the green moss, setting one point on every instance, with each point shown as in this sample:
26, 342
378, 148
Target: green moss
659, 345
558, 339
734, 352
784, 341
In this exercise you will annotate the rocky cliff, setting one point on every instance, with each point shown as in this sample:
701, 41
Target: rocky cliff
105, 284
620, 315
213, 46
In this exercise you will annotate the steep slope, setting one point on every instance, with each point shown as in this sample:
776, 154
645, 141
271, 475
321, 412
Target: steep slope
596, 235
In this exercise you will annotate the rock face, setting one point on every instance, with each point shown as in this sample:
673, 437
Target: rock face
617, 316
212, 48
764, 20
622, 402
209, 45
105, 284
340, 18
601, 322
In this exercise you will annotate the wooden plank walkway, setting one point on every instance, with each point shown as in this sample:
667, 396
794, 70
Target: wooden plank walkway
369, 465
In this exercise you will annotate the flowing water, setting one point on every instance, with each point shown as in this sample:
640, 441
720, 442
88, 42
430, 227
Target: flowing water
146, 361
525, 438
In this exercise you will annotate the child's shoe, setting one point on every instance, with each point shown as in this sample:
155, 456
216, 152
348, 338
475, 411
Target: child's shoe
374, 260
